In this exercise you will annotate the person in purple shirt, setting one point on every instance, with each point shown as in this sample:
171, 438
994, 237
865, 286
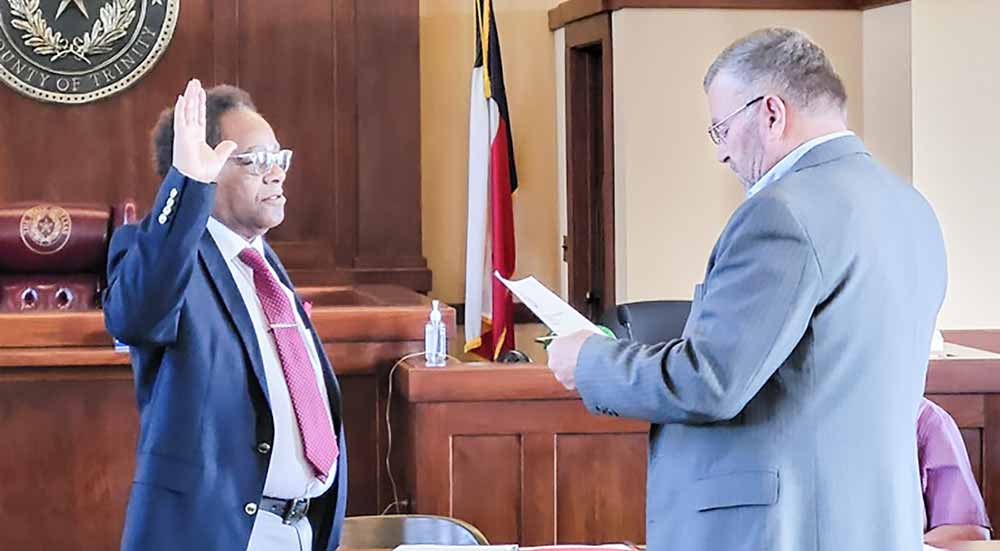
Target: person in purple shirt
954, 509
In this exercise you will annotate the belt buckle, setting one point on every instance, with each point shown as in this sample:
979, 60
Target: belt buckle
292, 513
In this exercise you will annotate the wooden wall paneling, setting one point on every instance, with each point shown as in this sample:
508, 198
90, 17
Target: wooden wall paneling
600, 487
388, 135
361, 430
345, 130
545, 493
539, 499
285, 60
968, 410
486, 474
340, 83
225, 34
363, 371
973, 440
99, 152
381, 486
428, 485
82, 416
407, 432
313, 254
63, 429
67, 399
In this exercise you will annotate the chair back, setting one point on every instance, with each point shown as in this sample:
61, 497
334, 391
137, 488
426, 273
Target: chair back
388, 531
53, 256
648, 322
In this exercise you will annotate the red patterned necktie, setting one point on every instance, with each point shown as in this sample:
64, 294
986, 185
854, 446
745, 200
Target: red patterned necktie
317, 435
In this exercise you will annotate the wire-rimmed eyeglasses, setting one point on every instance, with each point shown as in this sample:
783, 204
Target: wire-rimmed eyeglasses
718, 133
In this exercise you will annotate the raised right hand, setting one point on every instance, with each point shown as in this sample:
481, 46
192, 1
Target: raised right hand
192, 156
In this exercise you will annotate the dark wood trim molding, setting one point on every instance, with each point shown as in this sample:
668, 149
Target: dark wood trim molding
872, 4
590, 165
574, 10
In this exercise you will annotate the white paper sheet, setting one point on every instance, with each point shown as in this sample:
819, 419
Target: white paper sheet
560, 317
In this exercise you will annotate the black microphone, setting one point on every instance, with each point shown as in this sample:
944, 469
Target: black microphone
513, 356
625, 318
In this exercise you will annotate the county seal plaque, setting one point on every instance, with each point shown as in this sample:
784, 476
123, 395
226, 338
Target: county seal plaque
45, 229
77, 51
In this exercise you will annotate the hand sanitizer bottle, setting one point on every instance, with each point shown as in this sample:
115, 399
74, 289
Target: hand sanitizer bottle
435, 339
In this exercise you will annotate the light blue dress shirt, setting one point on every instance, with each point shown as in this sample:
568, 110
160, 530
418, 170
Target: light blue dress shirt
779, 170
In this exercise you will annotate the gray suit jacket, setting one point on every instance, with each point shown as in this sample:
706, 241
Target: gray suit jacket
784, 418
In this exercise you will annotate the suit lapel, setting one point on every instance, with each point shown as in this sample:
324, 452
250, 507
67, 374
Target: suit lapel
222, 279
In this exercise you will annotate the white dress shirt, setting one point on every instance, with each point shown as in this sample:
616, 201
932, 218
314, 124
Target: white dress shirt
289, 474
781, 168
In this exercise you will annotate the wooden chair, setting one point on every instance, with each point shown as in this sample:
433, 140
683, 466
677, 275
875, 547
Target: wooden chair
388, 531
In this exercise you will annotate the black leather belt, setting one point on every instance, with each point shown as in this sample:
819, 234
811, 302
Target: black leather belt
290, 510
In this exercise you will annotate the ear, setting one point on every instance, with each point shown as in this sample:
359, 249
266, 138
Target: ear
776, 116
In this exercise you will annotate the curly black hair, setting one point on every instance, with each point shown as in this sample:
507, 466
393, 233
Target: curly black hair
218, 101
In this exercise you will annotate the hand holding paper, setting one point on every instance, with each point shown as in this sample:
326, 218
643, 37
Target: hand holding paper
560, 317
571, 327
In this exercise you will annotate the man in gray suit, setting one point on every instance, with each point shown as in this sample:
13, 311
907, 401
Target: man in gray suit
783, 418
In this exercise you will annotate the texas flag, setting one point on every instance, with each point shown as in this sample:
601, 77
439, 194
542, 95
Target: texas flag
489, 308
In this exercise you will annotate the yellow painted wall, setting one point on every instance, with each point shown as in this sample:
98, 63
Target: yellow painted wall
447, 33
922, 78
956, 83
672, 198
888, 89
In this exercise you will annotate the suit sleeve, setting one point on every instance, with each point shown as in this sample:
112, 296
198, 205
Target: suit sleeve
758, 299
150, 263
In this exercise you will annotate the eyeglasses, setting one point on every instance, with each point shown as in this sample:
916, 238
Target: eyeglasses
718, 133
260, 162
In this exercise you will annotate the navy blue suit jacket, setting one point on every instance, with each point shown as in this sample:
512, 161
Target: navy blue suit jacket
200, 384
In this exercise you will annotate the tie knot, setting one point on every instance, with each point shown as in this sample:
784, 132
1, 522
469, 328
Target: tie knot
253, 259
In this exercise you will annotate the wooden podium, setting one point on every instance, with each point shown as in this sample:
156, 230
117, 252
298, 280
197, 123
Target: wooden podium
507, 448
67, 405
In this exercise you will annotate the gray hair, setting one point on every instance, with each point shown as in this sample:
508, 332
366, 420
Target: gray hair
784, 62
